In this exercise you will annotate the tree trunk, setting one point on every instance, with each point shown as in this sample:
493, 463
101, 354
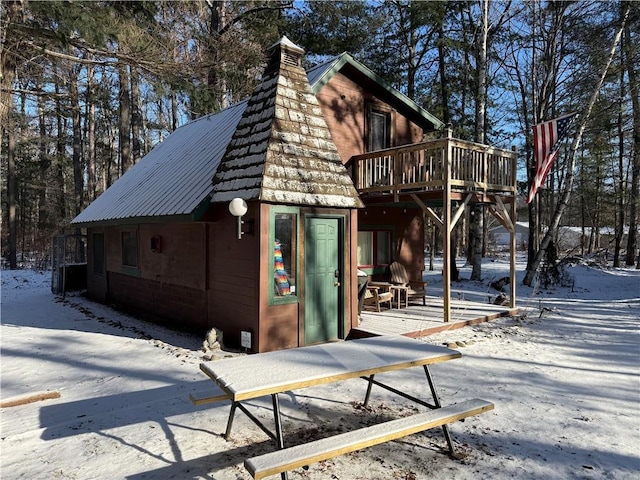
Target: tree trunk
634, 201
60, 150
78, 180
564, 199
91, 135
136, 116
13, 11
44, 163
11, 192
620, 189
444, 89
174, 112
453, 253
476, 226
216, 84
124, 124
475, 241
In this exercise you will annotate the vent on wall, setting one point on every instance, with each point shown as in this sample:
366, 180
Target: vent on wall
291, 58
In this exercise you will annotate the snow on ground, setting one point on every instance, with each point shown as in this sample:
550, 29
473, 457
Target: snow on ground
564, 377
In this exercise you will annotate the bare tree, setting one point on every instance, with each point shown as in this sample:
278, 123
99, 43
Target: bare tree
630, 61
564, 199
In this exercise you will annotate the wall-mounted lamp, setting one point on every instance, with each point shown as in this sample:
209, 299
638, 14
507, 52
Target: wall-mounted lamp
238, 207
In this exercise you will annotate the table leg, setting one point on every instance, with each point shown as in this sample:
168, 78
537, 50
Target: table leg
278, 421
368, 394
436, 402
232, 413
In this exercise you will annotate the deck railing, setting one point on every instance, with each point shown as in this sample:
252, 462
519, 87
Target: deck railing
428, 166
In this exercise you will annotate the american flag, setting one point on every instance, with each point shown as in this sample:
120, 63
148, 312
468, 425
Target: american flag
546, 144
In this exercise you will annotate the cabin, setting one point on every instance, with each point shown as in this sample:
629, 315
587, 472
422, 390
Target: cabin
255, 220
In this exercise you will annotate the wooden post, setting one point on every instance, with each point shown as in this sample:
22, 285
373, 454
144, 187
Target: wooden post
446, 218
514, 215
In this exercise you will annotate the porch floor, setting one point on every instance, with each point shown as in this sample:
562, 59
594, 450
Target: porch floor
417, 320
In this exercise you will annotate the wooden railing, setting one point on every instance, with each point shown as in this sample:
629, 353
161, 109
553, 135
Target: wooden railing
428, 166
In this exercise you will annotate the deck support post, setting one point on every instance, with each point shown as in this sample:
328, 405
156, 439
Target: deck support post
446, 240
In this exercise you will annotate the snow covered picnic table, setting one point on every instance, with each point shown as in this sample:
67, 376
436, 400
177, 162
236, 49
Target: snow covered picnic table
249, 377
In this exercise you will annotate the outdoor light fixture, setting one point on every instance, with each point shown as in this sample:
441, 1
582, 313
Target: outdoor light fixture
238, 207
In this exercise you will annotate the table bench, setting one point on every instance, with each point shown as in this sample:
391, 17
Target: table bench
300, 455
248, 377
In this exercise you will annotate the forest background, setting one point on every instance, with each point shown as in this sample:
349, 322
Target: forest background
87, 88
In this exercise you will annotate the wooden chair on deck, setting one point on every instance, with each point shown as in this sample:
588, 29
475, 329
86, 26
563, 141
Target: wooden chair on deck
416, 289
373, 296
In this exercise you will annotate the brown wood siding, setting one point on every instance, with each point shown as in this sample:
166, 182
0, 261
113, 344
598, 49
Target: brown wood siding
278, 327
408, 234
176, 305
352, 321
181, 259
96, 283
344, 105
168, 284
234, 275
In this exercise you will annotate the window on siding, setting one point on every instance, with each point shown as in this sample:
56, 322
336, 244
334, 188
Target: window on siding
130, 249
284, 254
379, 130
98, 253
374, 248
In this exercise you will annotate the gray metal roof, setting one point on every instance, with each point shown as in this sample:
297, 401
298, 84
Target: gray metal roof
174, 178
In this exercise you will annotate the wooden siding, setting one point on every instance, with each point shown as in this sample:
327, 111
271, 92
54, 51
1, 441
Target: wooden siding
181, 257
168, 284
344, 105
96, 282
179, 306
407, 227
234, 270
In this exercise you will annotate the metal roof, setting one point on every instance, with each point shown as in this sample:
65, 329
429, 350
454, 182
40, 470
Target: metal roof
174, 178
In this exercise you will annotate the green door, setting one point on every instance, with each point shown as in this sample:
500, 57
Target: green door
323, 280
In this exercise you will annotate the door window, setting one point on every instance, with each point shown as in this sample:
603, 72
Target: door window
283, 255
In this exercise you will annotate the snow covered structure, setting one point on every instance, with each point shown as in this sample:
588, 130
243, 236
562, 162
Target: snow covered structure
162, 241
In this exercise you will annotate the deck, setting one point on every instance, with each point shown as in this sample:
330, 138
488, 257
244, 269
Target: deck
442, 177
419, 321
429, 168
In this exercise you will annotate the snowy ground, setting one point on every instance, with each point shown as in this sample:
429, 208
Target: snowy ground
564, 376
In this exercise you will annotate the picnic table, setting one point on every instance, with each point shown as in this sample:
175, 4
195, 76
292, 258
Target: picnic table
248, 377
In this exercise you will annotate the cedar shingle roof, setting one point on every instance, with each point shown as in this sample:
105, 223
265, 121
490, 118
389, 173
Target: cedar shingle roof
282, 151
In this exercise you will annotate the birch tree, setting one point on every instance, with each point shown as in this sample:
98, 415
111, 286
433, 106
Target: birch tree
585, 114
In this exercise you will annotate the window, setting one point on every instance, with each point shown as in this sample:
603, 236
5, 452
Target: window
374, 248
98, 253
285, 239
130, 249
379, 129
